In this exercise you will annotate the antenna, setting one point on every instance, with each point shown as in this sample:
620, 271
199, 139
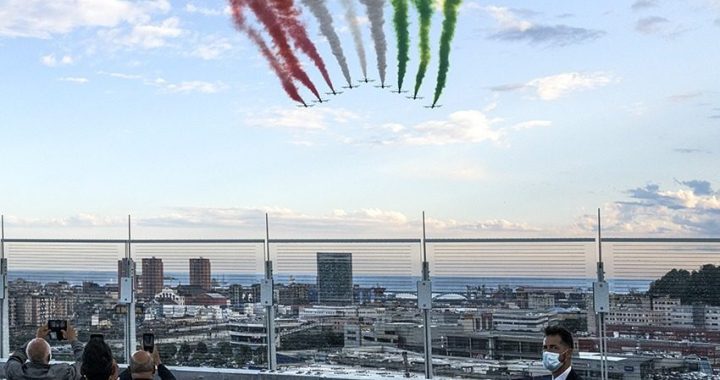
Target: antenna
424, 298
424, 246
267, 238
599, 233
266, 298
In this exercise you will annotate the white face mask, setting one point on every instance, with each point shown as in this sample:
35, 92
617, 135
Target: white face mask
551, 360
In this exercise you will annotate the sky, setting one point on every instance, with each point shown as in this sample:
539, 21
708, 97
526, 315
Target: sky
164, 110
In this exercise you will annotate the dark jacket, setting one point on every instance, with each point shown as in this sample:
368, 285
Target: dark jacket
16, 367
573, 375
162, 371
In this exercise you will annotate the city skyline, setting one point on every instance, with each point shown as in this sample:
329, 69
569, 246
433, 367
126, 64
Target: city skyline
164, 111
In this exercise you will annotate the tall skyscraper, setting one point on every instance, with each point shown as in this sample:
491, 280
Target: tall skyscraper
123, 269
334, 278
152, 276
200, 273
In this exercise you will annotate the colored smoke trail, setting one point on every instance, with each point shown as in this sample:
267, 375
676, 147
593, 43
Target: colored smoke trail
267, 17
280, 71
322, 14
290, 16
351, 18
450, 10
375, 12
425, 11
401, 23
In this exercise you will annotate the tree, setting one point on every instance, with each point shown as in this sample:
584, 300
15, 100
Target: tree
201, 348
225, 349
701, 286
674, 284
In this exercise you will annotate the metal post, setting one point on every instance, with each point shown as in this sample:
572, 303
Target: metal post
426, 306
5, 307
130, 327
601, 303
268, 300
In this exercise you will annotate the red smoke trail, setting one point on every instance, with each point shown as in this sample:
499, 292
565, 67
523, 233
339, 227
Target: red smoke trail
290, 16
281, 72
267, 17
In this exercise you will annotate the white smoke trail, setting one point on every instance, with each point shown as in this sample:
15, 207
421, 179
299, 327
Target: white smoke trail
322, 14
375, 12
352, 20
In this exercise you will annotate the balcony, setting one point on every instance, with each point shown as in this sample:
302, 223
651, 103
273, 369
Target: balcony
491, 299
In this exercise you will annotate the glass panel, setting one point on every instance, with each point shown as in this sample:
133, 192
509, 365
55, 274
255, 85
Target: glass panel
76, 282
196, 297
346, 304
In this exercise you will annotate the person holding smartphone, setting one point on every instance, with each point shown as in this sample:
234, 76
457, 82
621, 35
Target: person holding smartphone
145, 363
37, 353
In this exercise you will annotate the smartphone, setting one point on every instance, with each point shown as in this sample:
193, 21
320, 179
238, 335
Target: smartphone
148, 342
56, 326
99, 337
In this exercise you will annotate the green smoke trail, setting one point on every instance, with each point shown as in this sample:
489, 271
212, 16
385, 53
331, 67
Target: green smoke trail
450, 10
425, 11
400, 21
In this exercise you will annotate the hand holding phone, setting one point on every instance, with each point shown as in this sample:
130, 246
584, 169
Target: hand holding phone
148, 342
56, 328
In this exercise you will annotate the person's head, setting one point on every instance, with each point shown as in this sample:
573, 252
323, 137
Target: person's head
38, 351
98, 362
142, 365
557, 349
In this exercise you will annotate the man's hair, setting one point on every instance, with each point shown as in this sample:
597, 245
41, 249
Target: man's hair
38, 350
141, 367
564, 334
97, 360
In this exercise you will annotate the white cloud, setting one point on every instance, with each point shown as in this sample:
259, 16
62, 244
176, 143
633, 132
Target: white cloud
507, 19
532, 124
652, 211
51, 61
150, 36
182, 87
43, 19
302, 118
211, 48
123, 75
191, 86
461, 127
556, 86
192, 8
78, 80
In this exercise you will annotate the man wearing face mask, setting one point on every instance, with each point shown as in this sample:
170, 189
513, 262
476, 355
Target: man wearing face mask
557, 353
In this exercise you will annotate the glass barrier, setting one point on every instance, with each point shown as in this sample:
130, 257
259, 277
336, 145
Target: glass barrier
73, 282
343, 303
194, 298
350, 306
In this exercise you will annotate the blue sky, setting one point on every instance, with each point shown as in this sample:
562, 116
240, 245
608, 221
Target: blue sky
163, 110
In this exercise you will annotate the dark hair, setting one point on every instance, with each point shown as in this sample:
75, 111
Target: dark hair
97, 360
564, 334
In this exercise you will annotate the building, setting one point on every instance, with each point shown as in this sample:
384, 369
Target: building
334, 278
521, 320
152, 276
123, 269
200, 273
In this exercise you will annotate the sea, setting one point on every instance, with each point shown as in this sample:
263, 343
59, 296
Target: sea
397, 284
